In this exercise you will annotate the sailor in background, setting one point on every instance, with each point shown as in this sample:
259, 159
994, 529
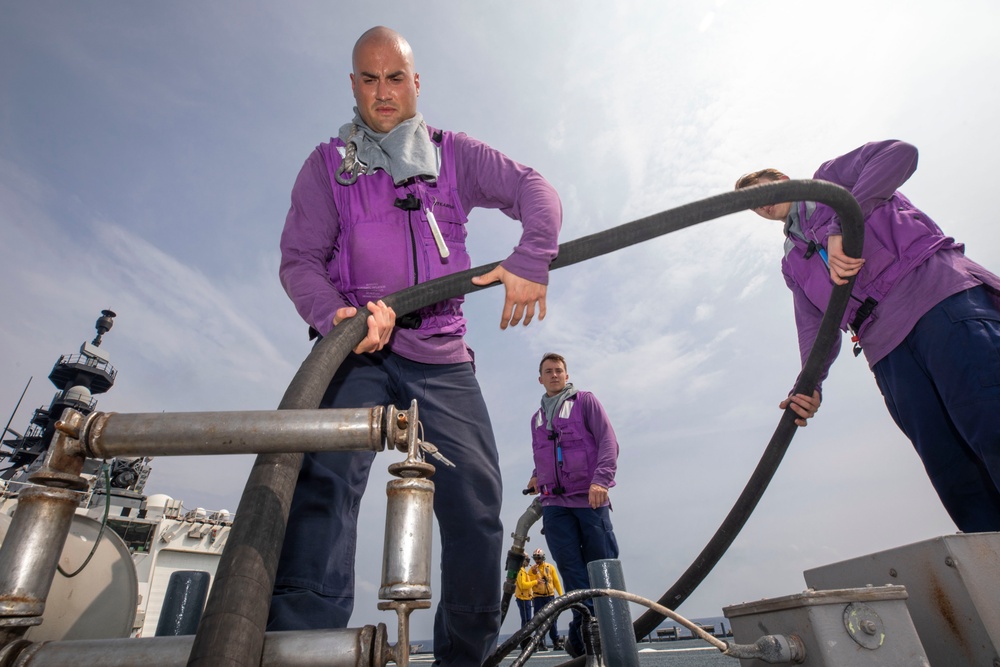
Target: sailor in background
524, 591
547, 586
576, 458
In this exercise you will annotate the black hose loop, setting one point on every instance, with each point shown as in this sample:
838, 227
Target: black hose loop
232, 626
852, 225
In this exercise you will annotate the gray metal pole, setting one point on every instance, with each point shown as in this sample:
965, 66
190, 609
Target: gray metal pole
30, 552
352, 647
613, 615
110, 434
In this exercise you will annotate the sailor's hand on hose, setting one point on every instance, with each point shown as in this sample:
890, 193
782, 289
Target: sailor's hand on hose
380, 325
523, 296
842, 267
804, 406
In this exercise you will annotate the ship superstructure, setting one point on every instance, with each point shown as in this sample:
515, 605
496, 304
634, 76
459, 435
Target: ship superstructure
144, 539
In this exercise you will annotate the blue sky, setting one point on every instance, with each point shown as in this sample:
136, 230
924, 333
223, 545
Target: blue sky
147, 151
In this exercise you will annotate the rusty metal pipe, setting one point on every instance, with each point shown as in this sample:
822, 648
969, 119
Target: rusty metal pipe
29, 555
352, 647
109, 435
34, 542
409, 524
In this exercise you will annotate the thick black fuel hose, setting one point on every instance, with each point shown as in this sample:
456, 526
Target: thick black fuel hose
852, 224
232, 627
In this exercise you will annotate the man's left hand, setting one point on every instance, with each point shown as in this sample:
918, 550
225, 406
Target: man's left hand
522, 296
598, 496
380, 324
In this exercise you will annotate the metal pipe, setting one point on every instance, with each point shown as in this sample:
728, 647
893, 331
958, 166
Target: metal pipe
524, 524
110, 434
772, 649
37, 534
613, 615
233, 623
351, 647
516, 554
29, 555
406, 556
409, 521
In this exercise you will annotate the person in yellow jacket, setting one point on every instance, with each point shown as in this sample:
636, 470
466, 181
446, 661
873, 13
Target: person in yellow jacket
524, 592
547, 586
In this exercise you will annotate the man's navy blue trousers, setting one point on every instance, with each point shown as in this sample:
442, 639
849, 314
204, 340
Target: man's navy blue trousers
314, 587
942, 387
576, 536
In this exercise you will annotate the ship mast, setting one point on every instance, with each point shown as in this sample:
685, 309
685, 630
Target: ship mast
78, 378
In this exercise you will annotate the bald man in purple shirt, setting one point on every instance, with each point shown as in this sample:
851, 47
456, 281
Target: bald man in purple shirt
382, 207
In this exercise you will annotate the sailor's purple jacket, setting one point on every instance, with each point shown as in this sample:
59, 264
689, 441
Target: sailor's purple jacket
580, 450
910, 264
346, 245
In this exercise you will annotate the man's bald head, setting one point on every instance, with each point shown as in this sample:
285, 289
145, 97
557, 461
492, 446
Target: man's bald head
384, 83
381, 37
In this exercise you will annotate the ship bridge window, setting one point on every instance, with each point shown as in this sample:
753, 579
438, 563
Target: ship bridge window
138, 535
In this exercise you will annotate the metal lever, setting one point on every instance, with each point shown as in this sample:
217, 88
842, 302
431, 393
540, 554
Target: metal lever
428, 448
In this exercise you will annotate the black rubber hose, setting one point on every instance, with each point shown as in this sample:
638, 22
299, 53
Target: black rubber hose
539, 622
232, 628
852, 224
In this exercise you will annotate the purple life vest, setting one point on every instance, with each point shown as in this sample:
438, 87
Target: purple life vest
566, 456
898, 238
383, 247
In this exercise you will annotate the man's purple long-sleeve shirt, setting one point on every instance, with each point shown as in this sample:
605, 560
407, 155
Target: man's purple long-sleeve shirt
873, 173
485, 178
